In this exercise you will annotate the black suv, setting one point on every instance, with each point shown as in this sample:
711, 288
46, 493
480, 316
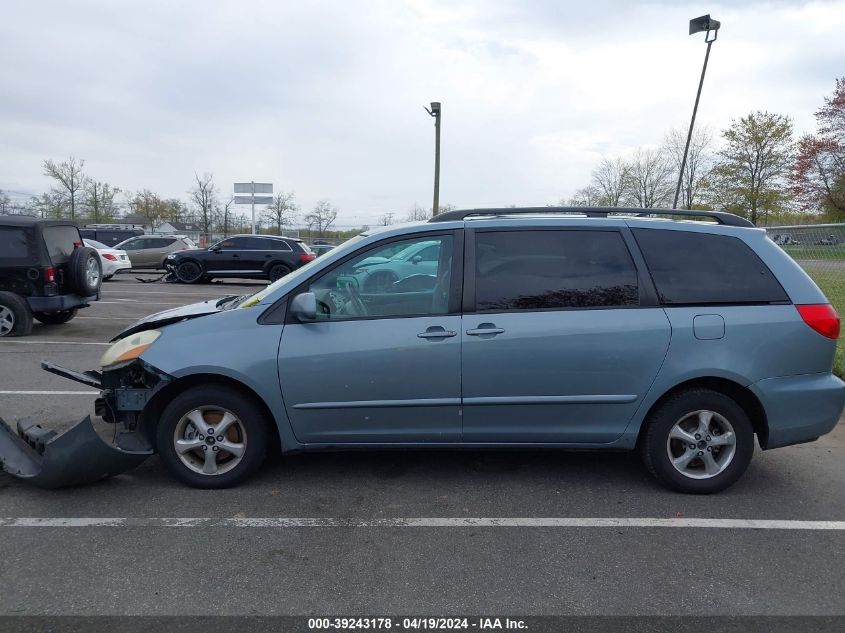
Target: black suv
45, 272
249, 256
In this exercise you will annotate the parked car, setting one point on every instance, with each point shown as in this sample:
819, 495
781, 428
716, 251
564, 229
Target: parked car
555, 328
830, 240
46, 273
783, 239
414, 265
151, 251
245, 256
112, 260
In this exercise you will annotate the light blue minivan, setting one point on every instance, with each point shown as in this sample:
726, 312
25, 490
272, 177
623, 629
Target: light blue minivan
538, 327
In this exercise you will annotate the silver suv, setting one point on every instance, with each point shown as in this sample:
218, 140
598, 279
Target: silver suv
151, 251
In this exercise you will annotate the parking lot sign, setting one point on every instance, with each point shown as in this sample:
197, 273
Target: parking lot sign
253, 188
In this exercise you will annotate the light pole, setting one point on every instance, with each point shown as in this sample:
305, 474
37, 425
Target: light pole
435, 112
697, 25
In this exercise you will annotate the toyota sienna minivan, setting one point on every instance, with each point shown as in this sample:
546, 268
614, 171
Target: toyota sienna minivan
686, 340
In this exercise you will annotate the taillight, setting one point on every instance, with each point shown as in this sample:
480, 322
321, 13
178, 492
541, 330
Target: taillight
822, 318
49, 275
77, 244
109, 257
307, 257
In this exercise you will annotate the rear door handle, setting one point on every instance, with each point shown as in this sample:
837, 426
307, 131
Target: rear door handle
437, 332
485, 328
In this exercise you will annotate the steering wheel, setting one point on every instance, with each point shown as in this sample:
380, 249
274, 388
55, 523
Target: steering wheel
355, 299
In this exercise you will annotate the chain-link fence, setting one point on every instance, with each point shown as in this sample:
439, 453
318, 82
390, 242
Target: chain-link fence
820, 250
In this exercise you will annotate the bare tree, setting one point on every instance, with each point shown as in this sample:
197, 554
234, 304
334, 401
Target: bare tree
203, 195
99, 200
648, 181
588, 196
386, 219
322, 216
282, 211
70, 178
418, 213
699, 162
5, 203
610, 179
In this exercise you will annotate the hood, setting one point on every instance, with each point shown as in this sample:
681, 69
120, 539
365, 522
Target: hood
166, 317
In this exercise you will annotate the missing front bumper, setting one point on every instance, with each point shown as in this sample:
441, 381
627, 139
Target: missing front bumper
56, 460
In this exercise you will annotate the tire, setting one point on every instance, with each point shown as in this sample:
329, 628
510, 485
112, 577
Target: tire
209, 405
85, 271
55, 318
188, 272
277, 271
685, 415
15, 315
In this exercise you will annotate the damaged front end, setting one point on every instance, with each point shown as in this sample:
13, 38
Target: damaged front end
79, 455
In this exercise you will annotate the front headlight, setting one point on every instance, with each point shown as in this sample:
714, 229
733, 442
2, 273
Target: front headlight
171, 256
129, 348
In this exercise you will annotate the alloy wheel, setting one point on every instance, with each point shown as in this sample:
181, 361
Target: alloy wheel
92, 272
7, 320
210, 440
701, 444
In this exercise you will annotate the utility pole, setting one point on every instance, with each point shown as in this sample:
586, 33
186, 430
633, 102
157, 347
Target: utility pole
435, 112
697, 25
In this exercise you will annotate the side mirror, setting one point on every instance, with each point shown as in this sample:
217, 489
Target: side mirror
416, 259
304, 307
215, 249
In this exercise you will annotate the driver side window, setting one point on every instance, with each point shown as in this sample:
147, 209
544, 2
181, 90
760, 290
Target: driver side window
385, 282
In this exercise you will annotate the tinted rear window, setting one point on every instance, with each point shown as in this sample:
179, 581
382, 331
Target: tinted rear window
60, 241
701, 268
536, 270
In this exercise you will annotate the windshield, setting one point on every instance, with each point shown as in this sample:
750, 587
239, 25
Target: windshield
339, 251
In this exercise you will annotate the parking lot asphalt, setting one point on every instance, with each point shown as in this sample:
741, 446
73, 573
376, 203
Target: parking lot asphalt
356, 565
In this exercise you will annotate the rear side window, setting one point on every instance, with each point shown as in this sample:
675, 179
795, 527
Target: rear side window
701, 268
537, 270
13, 243
60, 241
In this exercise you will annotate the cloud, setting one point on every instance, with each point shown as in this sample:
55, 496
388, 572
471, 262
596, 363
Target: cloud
326, 98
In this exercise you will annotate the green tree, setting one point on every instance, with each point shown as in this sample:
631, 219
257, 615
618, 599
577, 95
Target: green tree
752, 164
99, 200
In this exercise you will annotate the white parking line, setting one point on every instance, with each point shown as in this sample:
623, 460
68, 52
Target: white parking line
39, 342
108, 318
49, 393
136, 302
446, 522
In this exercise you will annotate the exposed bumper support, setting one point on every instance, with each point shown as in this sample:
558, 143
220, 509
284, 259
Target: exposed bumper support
56, 460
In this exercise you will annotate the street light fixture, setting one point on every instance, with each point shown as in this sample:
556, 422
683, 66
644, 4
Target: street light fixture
707, 25
435, 112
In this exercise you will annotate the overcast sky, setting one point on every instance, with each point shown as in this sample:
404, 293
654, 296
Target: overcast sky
326, 97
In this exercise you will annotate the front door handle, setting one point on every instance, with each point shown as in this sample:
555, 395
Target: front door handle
437, 332
484, 329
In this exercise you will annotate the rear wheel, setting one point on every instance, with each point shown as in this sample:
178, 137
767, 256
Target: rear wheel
15, 315
277, 271
189, 272
55, 318
212, 437
699, 441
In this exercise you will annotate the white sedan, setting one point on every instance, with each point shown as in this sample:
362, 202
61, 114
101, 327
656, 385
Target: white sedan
112, 259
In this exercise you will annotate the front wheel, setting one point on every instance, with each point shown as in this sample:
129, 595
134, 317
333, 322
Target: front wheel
55, 318
699, 441
212, 437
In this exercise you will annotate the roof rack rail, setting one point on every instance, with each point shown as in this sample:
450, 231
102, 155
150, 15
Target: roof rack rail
728, 219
